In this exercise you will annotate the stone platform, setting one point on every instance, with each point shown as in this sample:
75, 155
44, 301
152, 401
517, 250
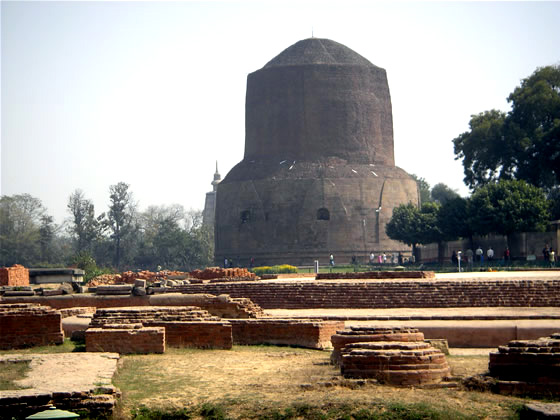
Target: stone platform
71, 381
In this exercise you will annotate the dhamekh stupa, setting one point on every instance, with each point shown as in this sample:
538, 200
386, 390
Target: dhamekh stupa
318, 175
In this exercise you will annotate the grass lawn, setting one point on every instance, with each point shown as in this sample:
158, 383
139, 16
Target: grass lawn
267, 382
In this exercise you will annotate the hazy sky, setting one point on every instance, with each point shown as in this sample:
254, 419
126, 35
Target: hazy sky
153, 93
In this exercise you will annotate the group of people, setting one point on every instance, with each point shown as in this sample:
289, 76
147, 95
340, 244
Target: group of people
377, 259
478, 255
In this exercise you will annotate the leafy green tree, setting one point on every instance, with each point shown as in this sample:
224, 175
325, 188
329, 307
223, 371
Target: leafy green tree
84, 226
554, 202
522, 144
20, 219
442, 193
47, 231
534, 122
423, 189
508, 207
414, 226
454, 220
121, 217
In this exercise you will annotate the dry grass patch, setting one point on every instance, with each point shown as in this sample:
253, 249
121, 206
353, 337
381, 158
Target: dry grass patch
255, 381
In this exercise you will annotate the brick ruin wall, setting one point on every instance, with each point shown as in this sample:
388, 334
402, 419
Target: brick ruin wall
184, 326
315, 334
391, 294
368, 275
126, 339
221, 306
28, 325
528, 367
16, 275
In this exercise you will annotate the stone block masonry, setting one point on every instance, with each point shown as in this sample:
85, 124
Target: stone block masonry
371, 333
126, 339
185, 326
28, 325
311, 333
16, 275
528, 367
395, 363
222, 306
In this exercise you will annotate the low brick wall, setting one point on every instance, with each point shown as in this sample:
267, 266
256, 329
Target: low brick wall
187, 326
126, 339
373, 275
528, 367
391, 294
202, 335
16, 275
28, 325
315, 334
222, 306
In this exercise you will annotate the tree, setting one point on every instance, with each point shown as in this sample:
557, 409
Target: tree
174, 238
507, 207
414, 226
46, 236
454, 220
423, 189
121, 217
84, 226
442, 193
522, 144
20, 218
554, 202
534, 122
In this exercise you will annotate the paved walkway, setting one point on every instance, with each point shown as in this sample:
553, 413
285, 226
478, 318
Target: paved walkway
64, 372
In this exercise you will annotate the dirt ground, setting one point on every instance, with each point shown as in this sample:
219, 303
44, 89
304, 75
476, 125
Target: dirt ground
270, 377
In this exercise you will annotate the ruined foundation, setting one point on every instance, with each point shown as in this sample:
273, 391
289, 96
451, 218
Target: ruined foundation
369, 334
310, 333
126, 339
528, 367
392, 355
187, 326
27, 325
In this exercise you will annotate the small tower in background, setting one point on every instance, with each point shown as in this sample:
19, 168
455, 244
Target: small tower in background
210, 202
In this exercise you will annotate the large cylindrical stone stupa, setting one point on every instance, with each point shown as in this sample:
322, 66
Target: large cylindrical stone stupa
318, 175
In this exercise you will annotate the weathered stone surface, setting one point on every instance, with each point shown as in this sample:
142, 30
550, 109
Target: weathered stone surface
126, 339
396, 363
70, 381
528, 367
186, 326
318, 173
16, 275
364, 334
310, 333
27, 325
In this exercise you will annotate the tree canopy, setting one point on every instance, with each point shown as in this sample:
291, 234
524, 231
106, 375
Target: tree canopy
522, 144
507, 207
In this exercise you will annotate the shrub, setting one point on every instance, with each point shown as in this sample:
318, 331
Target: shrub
275, 269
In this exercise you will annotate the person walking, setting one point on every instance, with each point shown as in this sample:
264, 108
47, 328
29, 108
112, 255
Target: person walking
331, 260
552, 257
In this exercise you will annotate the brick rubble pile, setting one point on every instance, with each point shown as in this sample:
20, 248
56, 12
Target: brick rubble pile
16, 275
